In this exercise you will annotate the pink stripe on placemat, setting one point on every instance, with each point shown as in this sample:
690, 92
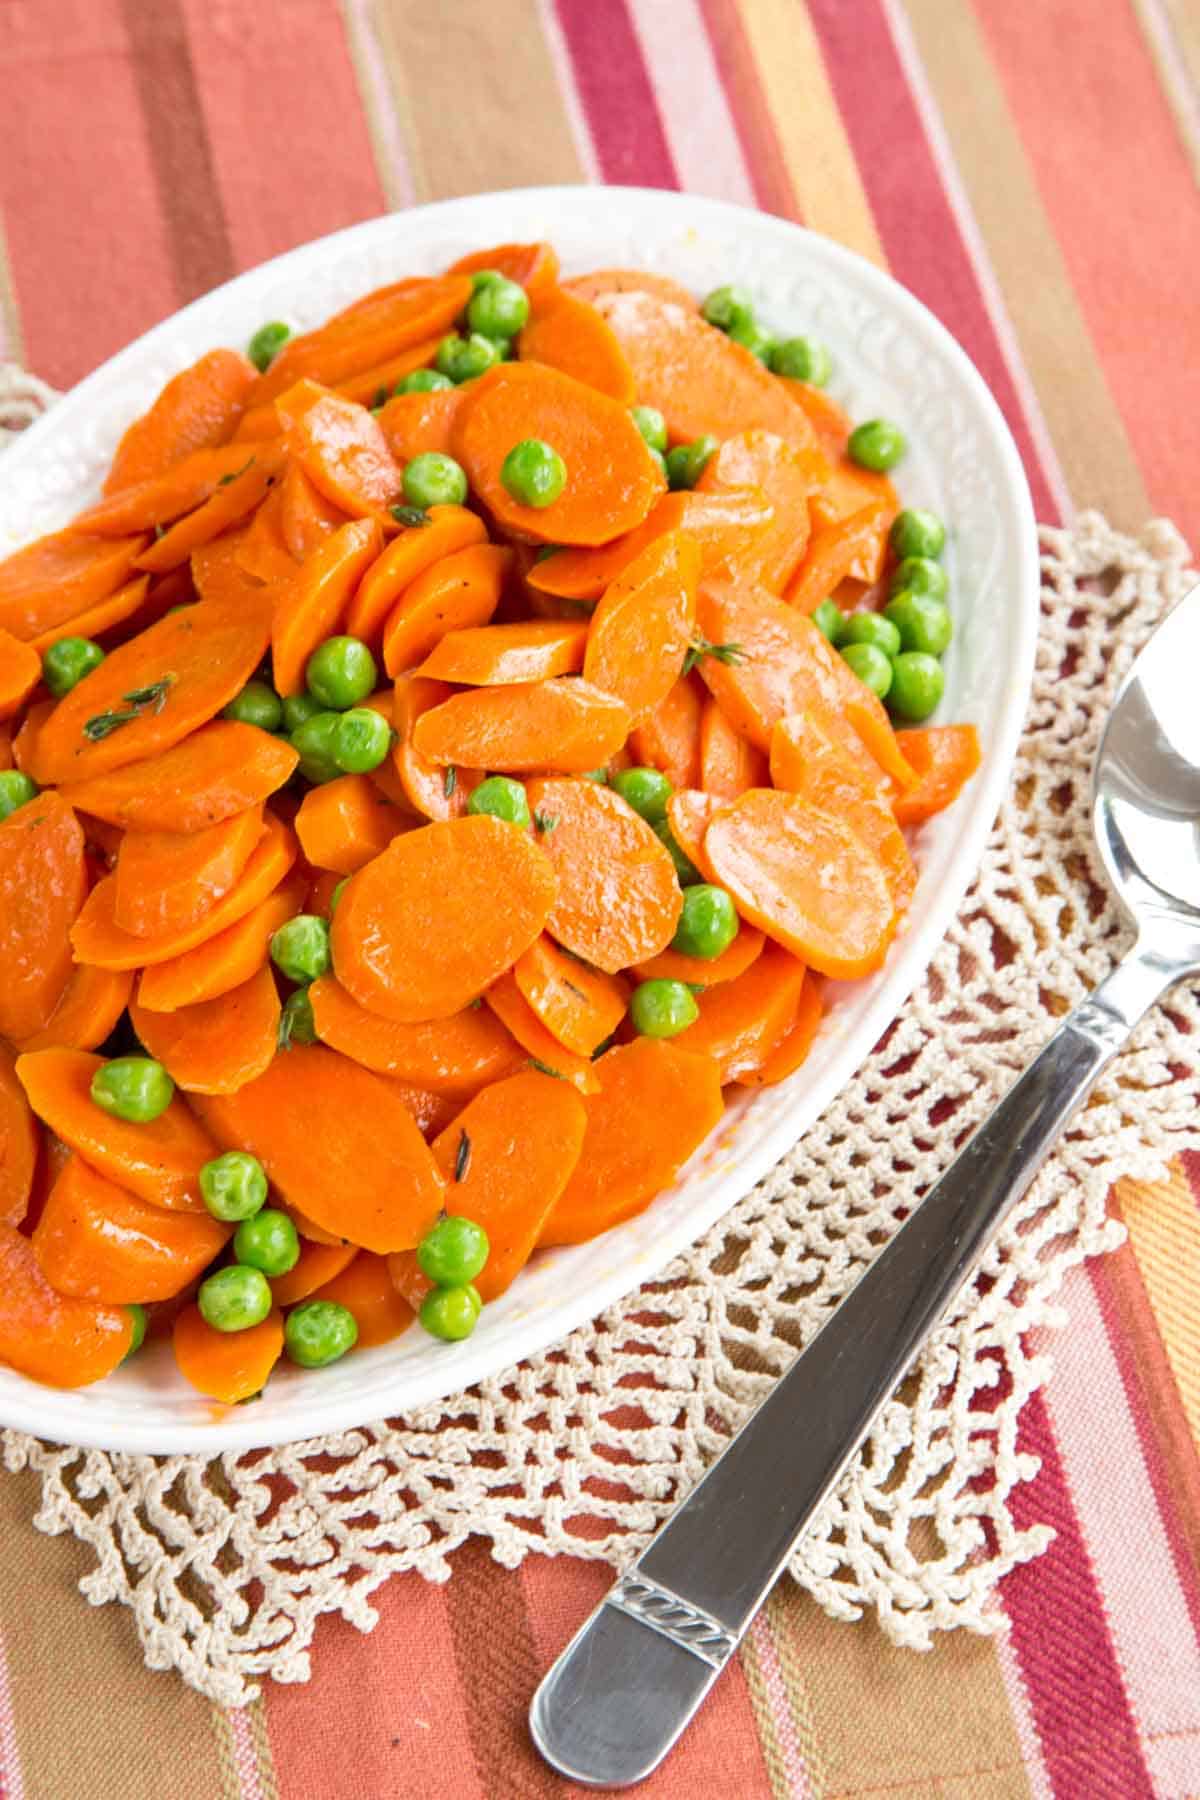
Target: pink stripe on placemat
748, 105
245, 1757
616, 94
701, 136
763, 1642
12, 1784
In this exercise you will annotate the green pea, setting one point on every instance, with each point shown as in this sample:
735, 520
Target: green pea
646, 790
297, 1022
830, 621
872, 628
16, 789
454, 1252
300, 948
139, 1318
257, 704
498, 309
336, 896
924, 623
727, 306
234, 1298
917, 686
686, 463
599, 776
708, 923
361, 740
751, 336
341, 672
534, 473
434, 479
67, 662
876, 444
652, 426
318, 1332
314, 740
803, 359
135, 1088
481, 278
685, 869
298, 709
423, 381
920, 575
450, 1312
503, 798
872, 666
916, 532
266, 344
269, 1241
233, 1186
662, 1009
462, 359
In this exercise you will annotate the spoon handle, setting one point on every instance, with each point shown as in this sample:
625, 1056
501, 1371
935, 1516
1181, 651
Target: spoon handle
625, 1687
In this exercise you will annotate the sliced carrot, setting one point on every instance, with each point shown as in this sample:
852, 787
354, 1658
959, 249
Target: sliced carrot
258, 425
167, 880
43, 880
222, 962
318, 1264
259, 550
532, 266
228, 1366
570, 335
96, 1241
788, 475
725, 525
374, 386
59, 578
437, 888
24, 744
562, 724
197, 410
655, 1106
944, 757
729, 763
219, 1045
415, 423
793, 1048
344, 823
460, 591
233, 501
514, 1012
498, 655
706, 972
626, 281
417, 547
20, 672
807, 759
6, 738
618, 899
51, 1161
127, 603
19, 1139
612, 480
670, 738
743, 1021
158, 1160
220, 770
578, 1005
311, 607
64, 1342
836, 552
154, 504
319, 898
365, 1289
338, 1143
92, 1002
340, 447
428, 788
373, 330
640, 631
689, 814
453, 1056
306, 517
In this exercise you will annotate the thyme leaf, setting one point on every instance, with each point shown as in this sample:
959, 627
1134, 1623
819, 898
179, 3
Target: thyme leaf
462, 1156
700, 647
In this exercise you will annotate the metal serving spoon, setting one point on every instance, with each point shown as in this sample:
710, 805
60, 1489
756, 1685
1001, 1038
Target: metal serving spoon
626, 1686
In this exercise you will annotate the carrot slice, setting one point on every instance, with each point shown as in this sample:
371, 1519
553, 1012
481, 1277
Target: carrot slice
310, 609
235, 499
226, 1365
374, 386
729, 764
159, 1160
433, 791
222, 962
532, 266
640, 631
57, 578
344, 823
612, 481
618, 899
340, 447
64, 1342
461, 590
95, 1241
154, 504
20, 672
570, 335
222, 769
257, 550
795, 1044
104, 616
787, 474
725, 525
807, 759
197, 410
437, 888
365, 1289
91, 1004
417, 547
498, 655
24, 743
375, 328
944, 757
378, 1186
306, 517
626, 281
743, 1021
219, 1045
454, 1056
804, 878
562, 724
414, 423
706, 972
43, 880
670, 738
510, 1006
838, 551
168, 880
689, 814
19, 1139
318, 1264
655, 1106
578, 1005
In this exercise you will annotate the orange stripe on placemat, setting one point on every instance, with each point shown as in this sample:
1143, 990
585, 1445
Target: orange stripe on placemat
1163, 1221
748, 102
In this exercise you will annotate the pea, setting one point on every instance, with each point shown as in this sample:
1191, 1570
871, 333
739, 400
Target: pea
686, 463
266, 344
924, 623
67, 662
314, 741
434, 479
257, 704
318, 1332
727, 306
234, 1298
135, 1088
462, 359
872, 666
300, 948
708, 923
830, 621
139, 1320
297, 1024
534, 473
361, 740
450, 1312
423, 381
916, 532
803, 359
685, 869
16, 789
481, 278
503, 798
298, 709
876, 444
498, 309
920, 575
340, 672
652, 426
751, 336
917, 685
646, 790
269, 1241
336, 896
233, 1186
872, 628
662, 1009
454, 1252
599, 776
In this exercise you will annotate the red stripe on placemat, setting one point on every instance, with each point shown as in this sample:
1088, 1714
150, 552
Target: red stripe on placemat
748, 104
616, 94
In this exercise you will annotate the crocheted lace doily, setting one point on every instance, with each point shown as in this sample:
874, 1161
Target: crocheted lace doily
227, 1565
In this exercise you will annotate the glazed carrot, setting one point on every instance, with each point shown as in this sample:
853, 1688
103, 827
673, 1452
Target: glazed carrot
103, 840
425, 786
689, 814
460, 591
344, 823
532, 266
43, 880
321, 889
795, 1044
743, 1021
215, 569
58, 578
656, 1105
219, 1045
670, 738
453, 1056
52, 1160
258, 425
235, 499
125, 604
570, 335
181, 671
310, 609
222, 769
259, 550
699, 971
222, 962
20, 672
340, 447
24, 744
381, 378
377, 1186
373, 330
438, 888
366, 1289
417, 547
612, 481
159, 1160
640, 631
618, 900
318, 1264
836, 551
226, 1365
197, 410
95, 1241
6, 738
167, 880
414, 423
97, 938
498, 655
65, 1343
91, 1004
636, 281
306, 517
807, 759
510, 1006
788, 475
562, 724
729, 763
154, 504
945, 757
725, 525
578, 1005
432, 1112
804, 878
19, 1139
